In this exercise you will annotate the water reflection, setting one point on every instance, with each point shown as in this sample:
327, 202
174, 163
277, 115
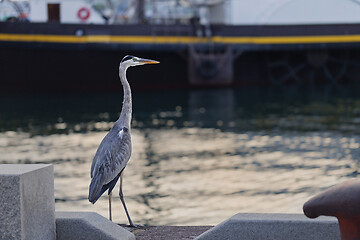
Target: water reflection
211, 105
199, 156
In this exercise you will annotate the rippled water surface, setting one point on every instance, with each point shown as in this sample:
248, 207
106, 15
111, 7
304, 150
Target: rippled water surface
199, 156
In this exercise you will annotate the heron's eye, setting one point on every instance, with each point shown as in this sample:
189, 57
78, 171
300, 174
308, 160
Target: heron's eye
135, 59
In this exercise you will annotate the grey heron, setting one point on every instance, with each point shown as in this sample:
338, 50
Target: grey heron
114, 150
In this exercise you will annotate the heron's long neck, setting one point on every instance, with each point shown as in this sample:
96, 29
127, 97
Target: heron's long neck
125, 116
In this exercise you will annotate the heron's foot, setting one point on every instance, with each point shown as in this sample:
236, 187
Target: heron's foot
136, 226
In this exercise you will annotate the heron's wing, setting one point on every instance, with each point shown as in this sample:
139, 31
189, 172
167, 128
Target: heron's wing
110, 159
116, 145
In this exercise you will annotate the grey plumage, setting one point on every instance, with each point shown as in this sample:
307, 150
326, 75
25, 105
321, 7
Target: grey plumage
114, 150
110, 159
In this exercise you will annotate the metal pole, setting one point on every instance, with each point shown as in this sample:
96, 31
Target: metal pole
141, 11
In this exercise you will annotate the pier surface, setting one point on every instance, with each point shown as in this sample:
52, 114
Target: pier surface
167, 232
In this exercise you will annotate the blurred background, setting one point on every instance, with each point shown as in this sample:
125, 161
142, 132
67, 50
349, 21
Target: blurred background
255, 106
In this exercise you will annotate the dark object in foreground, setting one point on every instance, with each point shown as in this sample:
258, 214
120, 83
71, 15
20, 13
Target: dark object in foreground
341, 201
167, 232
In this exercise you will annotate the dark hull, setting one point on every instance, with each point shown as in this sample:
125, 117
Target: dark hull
50, 57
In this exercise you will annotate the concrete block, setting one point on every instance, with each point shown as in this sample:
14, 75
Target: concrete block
27, 205
89, 226
251, 226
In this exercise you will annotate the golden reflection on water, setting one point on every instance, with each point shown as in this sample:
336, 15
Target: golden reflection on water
195, 176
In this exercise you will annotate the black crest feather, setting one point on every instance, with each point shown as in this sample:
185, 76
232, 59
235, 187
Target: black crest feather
127, 57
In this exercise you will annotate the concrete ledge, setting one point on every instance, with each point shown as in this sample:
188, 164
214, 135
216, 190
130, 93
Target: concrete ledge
251, 226
27, 201
89, 226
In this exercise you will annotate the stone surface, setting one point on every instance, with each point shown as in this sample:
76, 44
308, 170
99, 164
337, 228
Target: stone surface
251, 226
27, 201
89, 226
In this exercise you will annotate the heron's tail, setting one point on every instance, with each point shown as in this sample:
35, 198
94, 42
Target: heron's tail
95, 189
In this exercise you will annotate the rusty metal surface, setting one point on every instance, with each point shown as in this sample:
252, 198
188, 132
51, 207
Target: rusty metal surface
167, 232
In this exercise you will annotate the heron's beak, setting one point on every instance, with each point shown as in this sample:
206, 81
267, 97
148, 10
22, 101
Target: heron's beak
147, 61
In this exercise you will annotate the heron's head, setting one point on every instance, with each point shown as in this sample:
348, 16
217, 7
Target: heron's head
129, 61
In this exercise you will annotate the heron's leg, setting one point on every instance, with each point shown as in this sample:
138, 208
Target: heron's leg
110, 217
123, 202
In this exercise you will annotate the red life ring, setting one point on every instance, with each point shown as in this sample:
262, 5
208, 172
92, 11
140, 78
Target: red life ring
83, 13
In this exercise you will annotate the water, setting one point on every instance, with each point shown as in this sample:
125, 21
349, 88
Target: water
199, 156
